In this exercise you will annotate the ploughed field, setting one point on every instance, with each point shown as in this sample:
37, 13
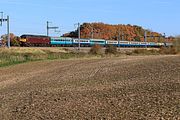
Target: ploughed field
113, 88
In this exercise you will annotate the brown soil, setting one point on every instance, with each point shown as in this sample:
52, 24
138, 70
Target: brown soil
117, 88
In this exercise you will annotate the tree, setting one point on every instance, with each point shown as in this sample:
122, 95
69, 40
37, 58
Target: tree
13, 38
15, 41
110, 32
110, 49
137, 38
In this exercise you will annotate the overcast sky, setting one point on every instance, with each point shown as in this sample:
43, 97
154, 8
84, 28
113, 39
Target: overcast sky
30, 16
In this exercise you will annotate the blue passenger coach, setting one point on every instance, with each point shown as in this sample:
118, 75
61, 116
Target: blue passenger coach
61, 41
97, 42
83, 42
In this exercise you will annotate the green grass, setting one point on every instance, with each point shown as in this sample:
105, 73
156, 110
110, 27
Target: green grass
21, 55
7, 59
15, 56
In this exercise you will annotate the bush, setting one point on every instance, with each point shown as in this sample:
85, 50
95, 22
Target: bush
176, 44
96, 49
110, 49
15, 42
168, 50
175, 49
146, 51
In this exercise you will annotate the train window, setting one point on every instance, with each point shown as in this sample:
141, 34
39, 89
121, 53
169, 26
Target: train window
84, 41
99, 41
112, 42
23, 36
124, 42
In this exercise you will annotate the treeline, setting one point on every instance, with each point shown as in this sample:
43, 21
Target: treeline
13, 38
115, 32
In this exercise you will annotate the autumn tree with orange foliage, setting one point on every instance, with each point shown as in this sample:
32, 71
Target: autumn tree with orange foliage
13, 38
115, 32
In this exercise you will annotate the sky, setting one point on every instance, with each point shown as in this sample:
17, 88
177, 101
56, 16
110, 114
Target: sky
30, 16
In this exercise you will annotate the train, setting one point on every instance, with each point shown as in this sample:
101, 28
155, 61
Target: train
45, 41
